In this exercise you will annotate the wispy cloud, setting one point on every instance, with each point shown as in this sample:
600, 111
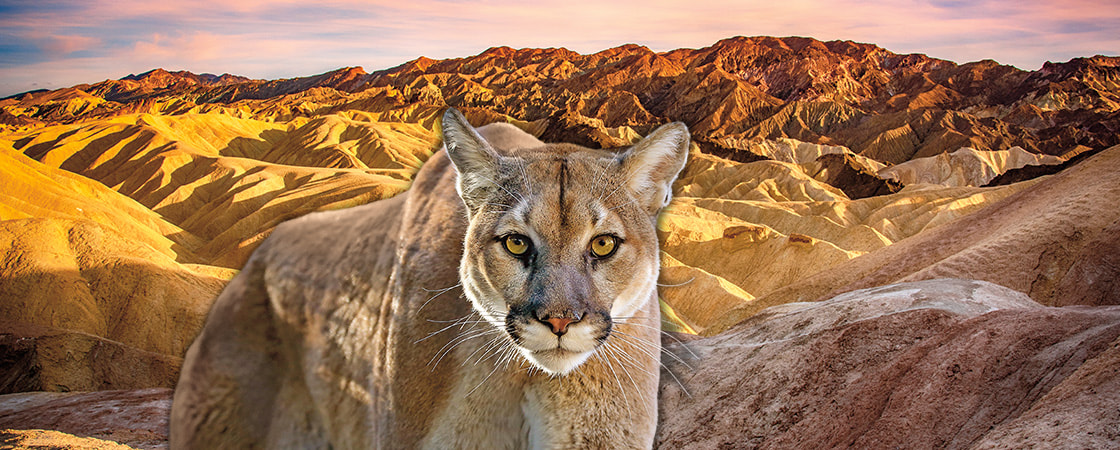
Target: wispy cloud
57, 43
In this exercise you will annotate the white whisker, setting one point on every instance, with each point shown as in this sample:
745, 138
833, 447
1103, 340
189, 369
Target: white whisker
606, 357
484, 348
648, 349
495, 183
480, 383
638, 345
678, 284
438, 292
458, 340
663, 332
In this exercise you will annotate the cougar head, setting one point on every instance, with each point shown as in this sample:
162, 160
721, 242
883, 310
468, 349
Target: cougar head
561, 243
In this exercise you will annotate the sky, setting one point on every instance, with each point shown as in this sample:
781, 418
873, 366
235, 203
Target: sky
50, 44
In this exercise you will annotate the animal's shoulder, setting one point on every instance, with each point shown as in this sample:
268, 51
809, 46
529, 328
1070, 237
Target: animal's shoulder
504, 136
326, 251
358, 248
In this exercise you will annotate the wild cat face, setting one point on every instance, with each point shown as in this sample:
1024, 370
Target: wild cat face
561, 241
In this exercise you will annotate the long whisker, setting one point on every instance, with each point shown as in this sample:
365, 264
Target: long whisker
678, 284
460, 323
459, 340
599, 177
505, 353
668, 370
633, 362
647, 347
438, 292
495, 183
525, 180
606, 357
480, 383
487, 347
663, 332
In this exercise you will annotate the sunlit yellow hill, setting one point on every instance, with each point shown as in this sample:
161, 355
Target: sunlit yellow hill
742, 230
32, 189
78, 275
228, 181
207, 188
125, 229
965, 167
1054, 238
76, 255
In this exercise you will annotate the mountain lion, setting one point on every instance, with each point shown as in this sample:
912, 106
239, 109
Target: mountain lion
357, 329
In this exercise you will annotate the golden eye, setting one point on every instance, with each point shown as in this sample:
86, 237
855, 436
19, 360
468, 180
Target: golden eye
603, 246
517, 245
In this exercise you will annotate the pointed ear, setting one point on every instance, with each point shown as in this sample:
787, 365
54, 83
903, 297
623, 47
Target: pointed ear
474, 159
651, 165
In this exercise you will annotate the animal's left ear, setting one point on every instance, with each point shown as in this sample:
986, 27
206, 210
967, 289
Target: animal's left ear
474, 159
651, 165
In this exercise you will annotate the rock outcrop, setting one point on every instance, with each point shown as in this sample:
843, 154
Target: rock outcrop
965, 167
944, 363
1033, 241
38, 358
136, 418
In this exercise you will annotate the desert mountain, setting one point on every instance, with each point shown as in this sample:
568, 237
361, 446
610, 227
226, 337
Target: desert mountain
819, 168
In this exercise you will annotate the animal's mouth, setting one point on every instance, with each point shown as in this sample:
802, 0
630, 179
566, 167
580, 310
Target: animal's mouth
559, 350
556, 360
554, 354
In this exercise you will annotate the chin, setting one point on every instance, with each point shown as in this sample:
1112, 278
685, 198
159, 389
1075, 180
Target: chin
556, 361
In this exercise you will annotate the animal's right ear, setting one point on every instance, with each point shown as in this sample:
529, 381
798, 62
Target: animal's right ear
474, 159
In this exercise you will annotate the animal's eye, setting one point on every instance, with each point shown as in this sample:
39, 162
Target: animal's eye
517, 245
603, 245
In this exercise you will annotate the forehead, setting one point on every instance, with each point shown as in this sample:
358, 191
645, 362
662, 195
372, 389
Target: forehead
554, 190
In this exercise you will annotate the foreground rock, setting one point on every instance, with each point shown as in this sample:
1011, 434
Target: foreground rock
136, 418
942, 363
47, 439
945, 363
37, 358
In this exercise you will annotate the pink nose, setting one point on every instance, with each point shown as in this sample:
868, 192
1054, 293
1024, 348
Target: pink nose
559, 324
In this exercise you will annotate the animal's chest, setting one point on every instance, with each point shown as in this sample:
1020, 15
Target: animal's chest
486, 407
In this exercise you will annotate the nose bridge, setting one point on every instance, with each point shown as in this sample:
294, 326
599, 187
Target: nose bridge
560, 290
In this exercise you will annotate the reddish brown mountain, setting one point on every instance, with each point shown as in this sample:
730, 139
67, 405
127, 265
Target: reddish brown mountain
879, 104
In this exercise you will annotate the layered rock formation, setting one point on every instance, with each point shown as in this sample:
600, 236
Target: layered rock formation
819, 168
1048, 240
964, 167
95, 420
932, 364
120, 232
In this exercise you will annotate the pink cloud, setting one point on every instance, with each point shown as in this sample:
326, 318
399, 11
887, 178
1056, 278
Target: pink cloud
197, 46
62, 45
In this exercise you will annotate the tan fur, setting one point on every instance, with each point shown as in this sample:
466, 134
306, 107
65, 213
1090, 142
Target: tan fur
349, 329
